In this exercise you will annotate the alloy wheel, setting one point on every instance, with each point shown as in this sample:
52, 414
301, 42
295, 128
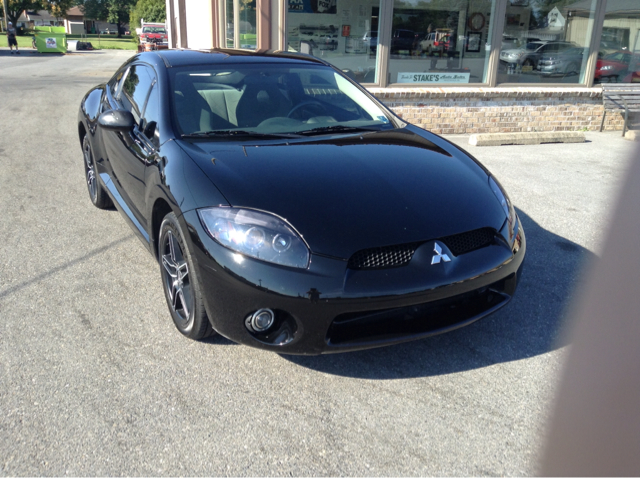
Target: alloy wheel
89, 170
176, 277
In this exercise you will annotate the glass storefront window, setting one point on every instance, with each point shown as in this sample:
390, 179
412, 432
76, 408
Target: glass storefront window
546, 42
230, 33
440, 41
241, 24
248, 37
619, 53
342, 32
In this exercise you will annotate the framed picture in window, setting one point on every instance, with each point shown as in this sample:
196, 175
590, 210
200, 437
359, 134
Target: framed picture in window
473, 44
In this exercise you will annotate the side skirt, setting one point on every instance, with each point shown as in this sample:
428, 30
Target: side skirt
124, 209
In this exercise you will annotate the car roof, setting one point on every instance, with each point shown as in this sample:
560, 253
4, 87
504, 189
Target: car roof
174, 58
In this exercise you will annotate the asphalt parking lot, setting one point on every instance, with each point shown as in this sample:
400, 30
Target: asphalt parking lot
95, 380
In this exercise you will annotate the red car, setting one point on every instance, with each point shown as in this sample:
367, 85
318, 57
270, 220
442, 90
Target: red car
155, 34
614, 66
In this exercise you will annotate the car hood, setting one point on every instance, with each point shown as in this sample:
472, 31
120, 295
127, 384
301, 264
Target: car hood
351, 192
617, 64
515, 50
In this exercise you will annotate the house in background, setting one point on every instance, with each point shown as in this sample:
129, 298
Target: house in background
74, 22
40, 18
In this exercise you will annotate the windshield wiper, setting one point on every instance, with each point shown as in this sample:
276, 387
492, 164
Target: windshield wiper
338, 129
238, 132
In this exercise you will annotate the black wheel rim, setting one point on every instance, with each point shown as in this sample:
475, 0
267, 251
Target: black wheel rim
176, 278
89, 169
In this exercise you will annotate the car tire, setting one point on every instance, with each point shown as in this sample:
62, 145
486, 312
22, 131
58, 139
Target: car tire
97, 193
180, 282
528, 62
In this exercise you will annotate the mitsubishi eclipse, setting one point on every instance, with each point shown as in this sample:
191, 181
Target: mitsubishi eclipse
289, 210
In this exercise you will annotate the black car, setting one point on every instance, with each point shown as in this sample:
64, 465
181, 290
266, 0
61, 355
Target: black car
288, 209
402, 41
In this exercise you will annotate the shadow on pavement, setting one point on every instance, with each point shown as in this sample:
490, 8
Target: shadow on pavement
29, 52
526, 327
26, 53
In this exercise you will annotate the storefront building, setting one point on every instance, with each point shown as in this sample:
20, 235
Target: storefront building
450, 66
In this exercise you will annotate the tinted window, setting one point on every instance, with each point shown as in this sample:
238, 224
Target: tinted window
269, 99
151, 114
136, 88
114, 83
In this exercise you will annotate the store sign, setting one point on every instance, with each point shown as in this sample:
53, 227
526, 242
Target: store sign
432, 77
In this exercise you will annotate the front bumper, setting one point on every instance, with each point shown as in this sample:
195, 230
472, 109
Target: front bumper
329, 308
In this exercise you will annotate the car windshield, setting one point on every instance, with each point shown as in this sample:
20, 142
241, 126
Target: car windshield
237, 100
534, 46
617, 56
153, 30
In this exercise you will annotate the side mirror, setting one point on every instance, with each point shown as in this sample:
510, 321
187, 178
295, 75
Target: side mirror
117, 120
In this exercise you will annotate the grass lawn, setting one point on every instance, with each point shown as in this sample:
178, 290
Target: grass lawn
108, 42
23, 42
105, 42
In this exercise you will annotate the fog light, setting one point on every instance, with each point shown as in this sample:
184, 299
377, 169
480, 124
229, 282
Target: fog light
261, 320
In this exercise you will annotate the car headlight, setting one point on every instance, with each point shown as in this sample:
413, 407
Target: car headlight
515, 55
507, 207
256, 234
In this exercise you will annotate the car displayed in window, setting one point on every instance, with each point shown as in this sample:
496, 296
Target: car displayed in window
402, 41
564, 62
615, 66
435, 43
288, 209
529, 55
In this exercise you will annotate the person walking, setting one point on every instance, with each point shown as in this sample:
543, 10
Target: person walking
11, 38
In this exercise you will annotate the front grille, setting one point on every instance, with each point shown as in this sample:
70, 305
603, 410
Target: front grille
469, 241
401, 255
383, 257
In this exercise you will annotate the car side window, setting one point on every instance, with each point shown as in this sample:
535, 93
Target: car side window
135, 90
149, 123
114, 83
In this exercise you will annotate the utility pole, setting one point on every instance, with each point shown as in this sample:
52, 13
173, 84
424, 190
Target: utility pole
5, 7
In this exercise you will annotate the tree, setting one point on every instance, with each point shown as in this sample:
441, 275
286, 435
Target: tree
95, 9
112, 11
149, 11
119, 12
16, 7
58, 8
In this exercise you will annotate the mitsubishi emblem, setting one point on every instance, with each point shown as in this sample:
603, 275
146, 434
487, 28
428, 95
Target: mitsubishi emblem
438, 256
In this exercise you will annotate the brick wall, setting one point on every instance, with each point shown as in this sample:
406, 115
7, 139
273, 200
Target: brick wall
500, 110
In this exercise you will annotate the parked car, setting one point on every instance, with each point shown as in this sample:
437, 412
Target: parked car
564, 62
402, 40
435, 42
529, 55
156, 34
614, 66
289, 209
509, 43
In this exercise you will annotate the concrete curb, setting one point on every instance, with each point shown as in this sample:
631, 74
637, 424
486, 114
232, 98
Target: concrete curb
498, 139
